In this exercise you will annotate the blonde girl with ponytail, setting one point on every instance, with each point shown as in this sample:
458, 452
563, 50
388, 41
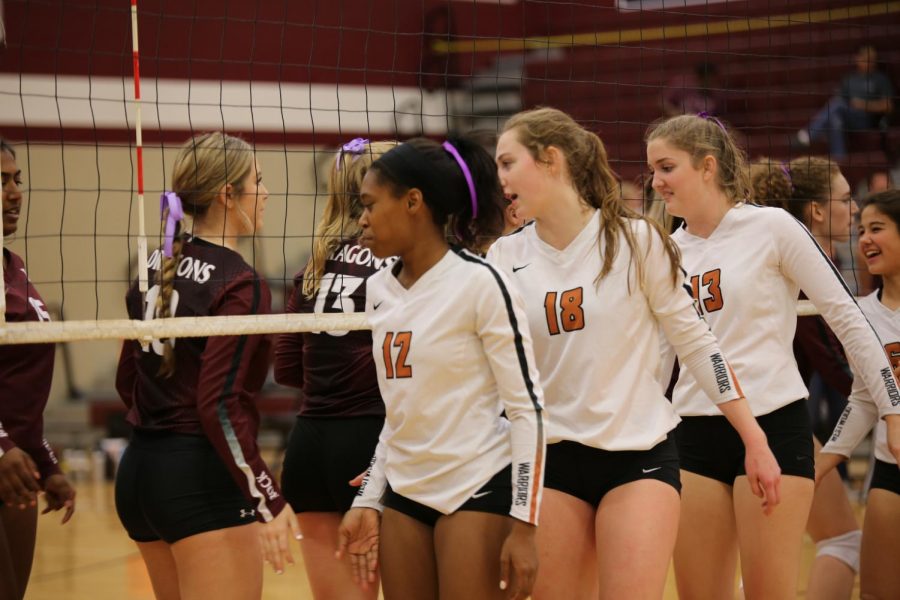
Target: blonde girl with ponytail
192, 490
747, 265
341, 411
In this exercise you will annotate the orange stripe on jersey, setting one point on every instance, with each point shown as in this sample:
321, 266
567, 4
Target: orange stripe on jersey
536, 484
737, 384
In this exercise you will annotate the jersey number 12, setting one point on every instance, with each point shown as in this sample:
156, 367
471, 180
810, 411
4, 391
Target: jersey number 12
396, 368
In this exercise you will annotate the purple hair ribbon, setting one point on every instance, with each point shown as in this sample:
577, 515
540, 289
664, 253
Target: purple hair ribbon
468, 174
356, 146
171, 201
787, 173
705, 115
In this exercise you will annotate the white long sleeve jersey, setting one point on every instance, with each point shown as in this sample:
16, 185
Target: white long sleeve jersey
452, 353
597, 344
861, 412
746, 277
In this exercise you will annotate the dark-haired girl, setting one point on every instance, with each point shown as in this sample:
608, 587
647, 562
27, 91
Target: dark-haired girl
455, 484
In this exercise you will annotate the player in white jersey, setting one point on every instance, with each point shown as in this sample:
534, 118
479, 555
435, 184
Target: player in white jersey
599, 284
747, 265
814, 190
452, 352
879, 242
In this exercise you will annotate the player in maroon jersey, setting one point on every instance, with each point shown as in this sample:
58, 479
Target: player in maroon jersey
192, 485
341, 411
27, 464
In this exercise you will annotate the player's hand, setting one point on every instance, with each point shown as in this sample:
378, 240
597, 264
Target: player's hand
893, 435
357, 481
358, 538
519, 561
19, 479
59, 493
276, 538
825, 462
764, 475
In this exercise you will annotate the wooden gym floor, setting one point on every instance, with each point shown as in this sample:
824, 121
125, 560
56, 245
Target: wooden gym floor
91, 558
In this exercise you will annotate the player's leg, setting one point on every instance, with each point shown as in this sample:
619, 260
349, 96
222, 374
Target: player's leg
467, 546
328, 577
566, 549
157, 554
185, 495
879, 575
162, 570
706, 550
833, 527
322, 456
636, 527
407, 558
771, 544
567, 554
224, 564
18, 528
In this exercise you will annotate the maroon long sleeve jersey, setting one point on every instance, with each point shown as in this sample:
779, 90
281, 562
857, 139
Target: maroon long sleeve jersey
213, 389
26, 371
335, 370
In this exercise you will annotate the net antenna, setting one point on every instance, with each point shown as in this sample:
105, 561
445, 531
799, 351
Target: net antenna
139, 158
139, 151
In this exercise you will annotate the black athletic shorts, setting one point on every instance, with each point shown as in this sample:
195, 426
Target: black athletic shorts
886, 476
322, 456
710, 446
171, 486
590, 473
493, 497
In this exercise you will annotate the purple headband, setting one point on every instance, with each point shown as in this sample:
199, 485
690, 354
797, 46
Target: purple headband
171, 201
356, 146
705, 115
468, 174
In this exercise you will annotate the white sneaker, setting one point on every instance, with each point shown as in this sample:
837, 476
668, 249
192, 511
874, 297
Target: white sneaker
803, 137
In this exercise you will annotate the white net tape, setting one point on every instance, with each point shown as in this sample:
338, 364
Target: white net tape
70, 331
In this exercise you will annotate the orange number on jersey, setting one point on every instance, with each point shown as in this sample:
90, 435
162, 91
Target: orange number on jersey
710, 280
550, 308
893, 352
571, 315
398, 369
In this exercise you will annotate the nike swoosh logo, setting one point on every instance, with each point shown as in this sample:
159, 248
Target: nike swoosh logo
480, 494
651, 470
520, 268
375, 306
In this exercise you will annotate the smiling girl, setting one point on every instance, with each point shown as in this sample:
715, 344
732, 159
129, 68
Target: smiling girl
879, 242
747, 265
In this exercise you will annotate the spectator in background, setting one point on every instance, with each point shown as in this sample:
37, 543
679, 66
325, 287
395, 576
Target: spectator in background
879, 181
691, 93
863, 101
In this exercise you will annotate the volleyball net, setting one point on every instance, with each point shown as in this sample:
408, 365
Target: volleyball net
97, 97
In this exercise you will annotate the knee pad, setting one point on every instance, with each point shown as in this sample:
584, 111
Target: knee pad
844, 547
